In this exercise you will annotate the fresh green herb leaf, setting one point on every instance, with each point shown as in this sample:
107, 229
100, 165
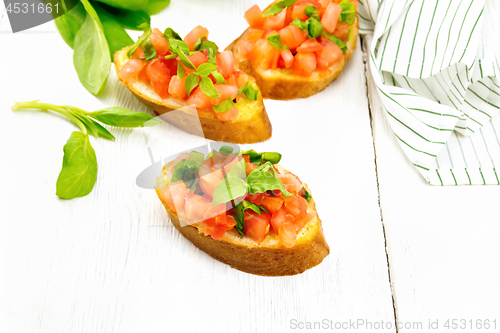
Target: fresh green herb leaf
206, 69
197, 157
262, 208
212, 55
149, 50
197, 45
102, 131
171, 34
69, 23
184, 59
264, 179
299, 24
229, 189
238, 170
274, 158
147, 31
208, 88
192, 81
275, 41
336, 40
116, 36
171, 56
348, 13
307, 196
181, 72
226, 150
278, 7
239, 213
254, 156
187, 171
207, 45
79, 168
174, 44
120, 117
155, 6
224, 106
311, 11
250, 92
314, 27
218, 77
91, 55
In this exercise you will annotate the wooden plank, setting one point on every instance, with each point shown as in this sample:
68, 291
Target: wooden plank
441, 241
112, 262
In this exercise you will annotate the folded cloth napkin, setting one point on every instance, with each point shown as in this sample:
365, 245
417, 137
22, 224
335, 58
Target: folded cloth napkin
439, 85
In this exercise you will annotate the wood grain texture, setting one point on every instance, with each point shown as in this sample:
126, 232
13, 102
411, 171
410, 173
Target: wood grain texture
442, 241
112, 262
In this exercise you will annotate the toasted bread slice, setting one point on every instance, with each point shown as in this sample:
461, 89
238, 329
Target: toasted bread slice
252, 124
282, 83
268, 258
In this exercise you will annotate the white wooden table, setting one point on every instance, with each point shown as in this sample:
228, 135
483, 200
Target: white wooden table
402, 251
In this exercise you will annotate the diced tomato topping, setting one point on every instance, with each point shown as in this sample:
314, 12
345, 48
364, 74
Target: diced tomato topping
298, 12
239, 78
254, 16
324, 3
195, 206
198, 58
287, 57
245, 47
210, 181
303, 220
131, 69
292, 183
230, 115
195, 34
199, 99
254, 34
355, 2
272, 204
225, 62
297, 205
177, 87
331, 17
330, 54
255, 198
304, 63
256, 226
159, 76
217, 226
213, 211
264, 55
275, 22
178, 190
250, 167
139, 53
284, 225
225, 91
159, 42
292, 36
310, 45
342, 31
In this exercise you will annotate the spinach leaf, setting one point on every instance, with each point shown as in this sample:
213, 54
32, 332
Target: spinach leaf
79, 169
116, 36
275, 41
91, 55
120, 117
224, 106
69, 23
102, 131
127, 18
348, 13
229, 189
127, 4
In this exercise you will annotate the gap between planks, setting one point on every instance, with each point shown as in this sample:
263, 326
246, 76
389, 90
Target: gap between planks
368, 77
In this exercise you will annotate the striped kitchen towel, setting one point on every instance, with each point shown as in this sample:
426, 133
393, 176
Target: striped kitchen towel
438, 84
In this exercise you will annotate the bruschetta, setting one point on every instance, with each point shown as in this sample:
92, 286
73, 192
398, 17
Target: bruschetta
244, 210
168, 73
296, 48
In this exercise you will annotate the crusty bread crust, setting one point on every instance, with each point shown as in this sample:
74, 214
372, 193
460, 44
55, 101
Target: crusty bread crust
269, 258
282, 83
252, 124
